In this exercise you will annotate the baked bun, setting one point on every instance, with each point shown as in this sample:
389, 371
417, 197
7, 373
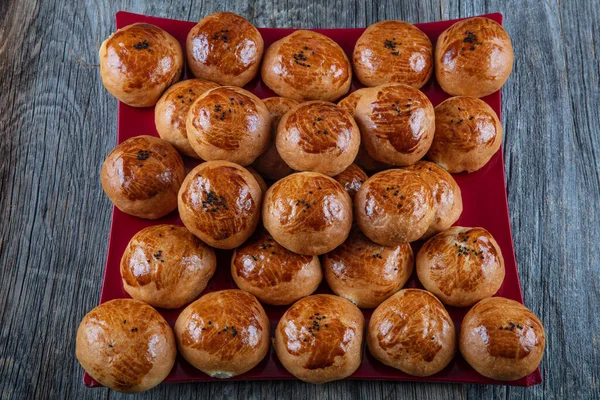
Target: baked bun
467, 134
473, 57
319, 338
393, 52
308, 213
318, 136
259, 179
229, 123
166, 266
220, 202
142, 175
138, 62
351, 179
270, 164
349, 102
126, 346
272, 273
307, 65
170, 113
224, 48
412, 331
223, 334
396, 122
461, 266
393, 207
502, 339
367, 273
447, 198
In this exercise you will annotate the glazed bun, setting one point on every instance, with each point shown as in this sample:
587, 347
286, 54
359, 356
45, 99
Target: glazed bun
393, 207
319, 338
170, 113
307, 65
229, 123
474, 57
461, 266
139, 62
142, 175
223, 334
220, 202
467, 134
166, 266
367, 273
447, 197
307, 213
259, 179
126, 346
396, 122
270, 164
349, 102
318, 136
502, 339
412, 331
393, 52
272, 273
224, 48
351, 179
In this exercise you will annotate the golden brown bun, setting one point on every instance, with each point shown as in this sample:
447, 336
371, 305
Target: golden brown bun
412, 331
396, 122
319, 338
138, 62
307, 65
259, 179
502, 339
170, 113
461, 266
220, 203
166, 266
126, 345
224, 48
351, 179
473, 57
447, 198
393, 207
318, 136
349, 102
272, 273
393, 52
142, 175
367, 273
223, 334
229, 123
467, 134
270, 164
308, 213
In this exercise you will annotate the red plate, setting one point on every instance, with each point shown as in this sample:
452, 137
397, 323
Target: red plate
484, 198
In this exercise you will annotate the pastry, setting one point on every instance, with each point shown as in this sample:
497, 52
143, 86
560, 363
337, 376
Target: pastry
259, 179
351, 179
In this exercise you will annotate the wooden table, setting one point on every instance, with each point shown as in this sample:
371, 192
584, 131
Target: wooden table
57, 124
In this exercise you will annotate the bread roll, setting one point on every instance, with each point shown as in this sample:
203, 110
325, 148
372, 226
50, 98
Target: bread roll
393, 52
319, 338
126, 346
474, 57
139, 62
224, 48
170, 113
318, 136
351, 179
259, 179
412, 331
307, 213
461, 266
220, 202
502, 339
142, 175
223, 334
307, 65
166, 266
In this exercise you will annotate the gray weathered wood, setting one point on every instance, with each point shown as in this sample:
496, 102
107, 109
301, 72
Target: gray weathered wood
57, 123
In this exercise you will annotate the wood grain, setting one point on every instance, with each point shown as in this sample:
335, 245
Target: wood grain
57, 124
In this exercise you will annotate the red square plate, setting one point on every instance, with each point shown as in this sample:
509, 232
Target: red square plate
484, 198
